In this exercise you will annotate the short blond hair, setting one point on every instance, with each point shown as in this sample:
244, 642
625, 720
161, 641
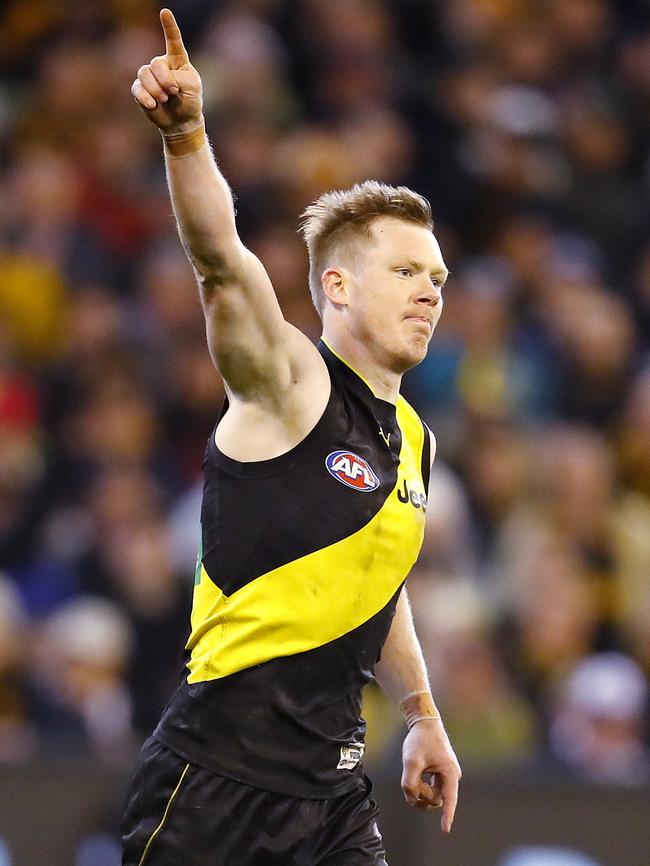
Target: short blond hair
339, 218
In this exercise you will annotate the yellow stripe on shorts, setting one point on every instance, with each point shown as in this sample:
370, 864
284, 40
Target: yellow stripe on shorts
164, 817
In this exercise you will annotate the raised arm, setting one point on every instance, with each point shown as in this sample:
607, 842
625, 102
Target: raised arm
427, 753
259, 355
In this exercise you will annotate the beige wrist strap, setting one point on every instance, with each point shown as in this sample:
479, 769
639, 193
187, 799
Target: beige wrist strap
418, 706
181, 144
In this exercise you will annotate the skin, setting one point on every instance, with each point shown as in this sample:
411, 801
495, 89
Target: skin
381, 308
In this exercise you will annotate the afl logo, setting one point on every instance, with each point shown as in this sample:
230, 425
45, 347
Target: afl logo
351, 470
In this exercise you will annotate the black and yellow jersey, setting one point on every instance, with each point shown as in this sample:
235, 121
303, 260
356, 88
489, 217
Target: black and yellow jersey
303, 558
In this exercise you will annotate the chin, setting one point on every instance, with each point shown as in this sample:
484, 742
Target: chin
413, 355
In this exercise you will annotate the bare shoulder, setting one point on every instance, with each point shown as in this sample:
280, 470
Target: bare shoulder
260, 429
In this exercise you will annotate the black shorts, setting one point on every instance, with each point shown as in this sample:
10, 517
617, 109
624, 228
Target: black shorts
179, 814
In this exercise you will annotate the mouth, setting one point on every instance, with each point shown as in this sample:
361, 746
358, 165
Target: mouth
422, 319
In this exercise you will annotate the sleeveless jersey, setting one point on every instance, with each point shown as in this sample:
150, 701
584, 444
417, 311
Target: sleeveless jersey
303, 558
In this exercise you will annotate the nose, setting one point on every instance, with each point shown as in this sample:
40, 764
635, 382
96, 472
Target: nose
429, 293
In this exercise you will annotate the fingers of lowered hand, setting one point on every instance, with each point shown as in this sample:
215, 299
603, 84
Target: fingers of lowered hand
449, 793
429, 798
175, 50
436, 793
416, 791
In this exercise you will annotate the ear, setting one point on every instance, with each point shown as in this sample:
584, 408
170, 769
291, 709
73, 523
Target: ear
334, 283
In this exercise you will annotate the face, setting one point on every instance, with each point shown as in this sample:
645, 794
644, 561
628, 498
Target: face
389, 294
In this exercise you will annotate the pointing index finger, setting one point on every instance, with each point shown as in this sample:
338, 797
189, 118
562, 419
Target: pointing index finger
176, 52
450, 799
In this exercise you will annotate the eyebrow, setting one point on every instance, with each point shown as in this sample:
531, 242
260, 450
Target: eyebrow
418, 266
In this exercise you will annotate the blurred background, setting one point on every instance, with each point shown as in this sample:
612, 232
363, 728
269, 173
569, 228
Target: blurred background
527, 125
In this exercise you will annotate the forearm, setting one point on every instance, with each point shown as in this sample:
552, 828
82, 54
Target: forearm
170, 92
402, 672
431, 771
202, 204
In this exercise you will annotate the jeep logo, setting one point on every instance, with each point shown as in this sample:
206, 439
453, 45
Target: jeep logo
417, 500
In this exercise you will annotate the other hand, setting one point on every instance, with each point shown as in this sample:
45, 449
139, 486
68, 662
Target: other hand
431, 770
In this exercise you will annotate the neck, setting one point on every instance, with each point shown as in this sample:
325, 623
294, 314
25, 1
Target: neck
383, 382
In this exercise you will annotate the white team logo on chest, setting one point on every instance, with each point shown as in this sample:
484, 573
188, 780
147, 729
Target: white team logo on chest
385, 436
351, 470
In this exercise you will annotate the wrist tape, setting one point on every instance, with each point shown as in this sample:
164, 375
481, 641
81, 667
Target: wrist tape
418, 706
183, 143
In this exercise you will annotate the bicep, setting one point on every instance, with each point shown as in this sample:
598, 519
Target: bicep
246, 331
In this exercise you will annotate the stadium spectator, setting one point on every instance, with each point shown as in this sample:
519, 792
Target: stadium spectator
599, 723
527, 126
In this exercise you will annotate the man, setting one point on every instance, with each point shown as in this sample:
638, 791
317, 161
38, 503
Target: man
312, 517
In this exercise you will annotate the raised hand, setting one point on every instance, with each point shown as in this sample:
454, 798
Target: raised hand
168, 89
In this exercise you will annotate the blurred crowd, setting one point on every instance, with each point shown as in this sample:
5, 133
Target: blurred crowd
527, 125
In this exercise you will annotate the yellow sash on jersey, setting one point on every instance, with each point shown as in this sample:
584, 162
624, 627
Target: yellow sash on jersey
321, 596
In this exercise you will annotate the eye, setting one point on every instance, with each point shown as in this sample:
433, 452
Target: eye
436, 282
404, 272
